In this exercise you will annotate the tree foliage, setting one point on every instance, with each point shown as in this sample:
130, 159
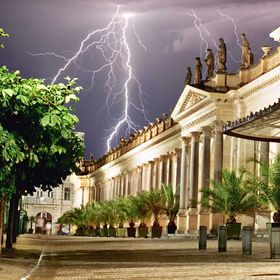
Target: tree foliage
231, 196
268, 184
3, 34
171, 201
38, 146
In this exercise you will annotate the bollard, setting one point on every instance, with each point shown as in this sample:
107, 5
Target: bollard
275, 241
247, 233
202, 238
222, 239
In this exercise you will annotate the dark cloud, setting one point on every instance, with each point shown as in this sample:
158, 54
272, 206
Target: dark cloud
164, 27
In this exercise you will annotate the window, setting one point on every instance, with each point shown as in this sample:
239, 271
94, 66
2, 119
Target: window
66, 193
50, 194
39, 194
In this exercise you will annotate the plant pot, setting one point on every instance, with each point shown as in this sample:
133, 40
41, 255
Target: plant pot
120, 232
97, 232
104, 232
233, 231
30, 230
171, 227
112, 232
143, 232
131, 232
156, 231
80, 232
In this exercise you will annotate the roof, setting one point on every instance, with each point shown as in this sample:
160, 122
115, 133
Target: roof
263, 125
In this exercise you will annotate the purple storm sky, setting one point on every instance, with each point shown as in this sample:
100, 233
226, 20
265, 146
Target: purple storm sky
165, 28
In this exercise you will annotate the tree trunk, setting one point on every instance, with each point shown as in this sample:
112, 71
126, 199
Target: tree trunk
11, 220
2, 207
16, 225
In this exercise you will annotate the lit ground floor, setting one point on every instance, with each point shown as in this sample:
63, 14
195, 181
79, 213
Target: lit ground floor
65, 257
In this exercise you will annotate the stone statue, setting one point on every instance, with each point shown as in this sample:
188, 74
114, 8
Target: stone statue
222, 56
188, 78
197, 71
247, 56
210, 62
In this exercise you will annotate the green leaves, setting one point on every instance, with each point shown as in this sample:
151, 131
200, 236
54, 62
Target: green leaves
40, 146
231, 196
3, 34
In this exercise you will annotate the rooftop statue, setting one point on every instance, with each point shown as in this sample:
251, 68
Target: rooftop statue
188, 78
210, 62
222, 56
247, 56
197, 71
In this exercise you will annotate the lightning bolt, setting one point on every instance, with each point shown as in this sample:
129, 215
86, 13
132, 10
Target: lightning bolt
112, 46
235, 33
201, 29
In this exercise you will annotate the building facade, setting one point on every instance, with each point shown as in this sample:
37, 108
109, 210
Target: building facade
189, 148
47, 206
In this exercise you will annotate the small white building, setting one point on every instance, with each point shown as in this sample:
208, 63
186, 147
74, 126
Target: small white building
47, 206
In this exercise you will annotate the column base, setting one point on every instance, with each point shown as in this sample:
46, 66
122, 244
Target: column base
182, 221
203, 220
192, 219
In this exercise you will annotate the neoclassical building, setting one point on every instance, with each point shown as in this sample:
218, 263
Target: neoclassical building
218, 123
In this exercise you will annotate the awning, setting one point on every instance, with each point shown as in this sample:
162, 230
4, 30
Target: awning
263, 125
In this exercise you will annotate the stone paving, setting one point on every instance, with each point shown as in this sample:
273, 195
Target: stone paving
69, 258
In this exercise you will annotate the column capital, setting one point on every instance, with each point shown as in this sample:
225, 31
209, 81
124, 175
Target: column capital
206, 131
195, 135
185, 140
156, 160
219, 126
163, 157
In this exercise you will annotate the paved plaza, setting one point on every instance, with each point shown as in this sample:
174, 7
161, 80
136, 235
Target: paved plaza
69, 258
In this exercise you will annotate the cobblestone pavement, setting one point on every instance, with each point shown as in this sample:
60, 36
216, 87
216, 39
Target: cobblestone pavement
69, 258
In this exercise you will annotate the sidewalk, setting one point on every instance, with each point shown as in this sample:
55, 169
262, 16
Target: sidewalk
71, 258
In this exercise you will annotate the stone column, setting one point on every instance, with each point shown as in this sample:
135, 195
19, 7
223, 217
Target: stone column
150, 175
176, 169
144, 176
122, 189
193, 189
194, 165
139, 179
217, 219
261, 218
205, 173
182, 218
127, 183
264, 151
162, 170
156, 174
169, 168
218, 156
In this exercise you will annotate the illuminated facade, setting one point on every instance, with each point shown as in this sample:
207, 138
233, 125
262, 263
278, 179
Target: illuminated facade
189, 148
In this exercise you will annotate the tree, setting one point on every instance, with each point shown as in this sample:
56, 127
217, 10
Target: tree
156, 204
171, 206
231, 196
267, 186
42, 147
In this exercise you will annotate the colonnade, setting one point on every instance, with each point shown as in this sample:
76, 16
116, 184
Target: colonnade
189, 167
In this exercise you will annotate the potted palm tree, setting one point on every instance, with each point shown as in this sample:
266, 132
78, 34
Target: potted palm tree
156, 204
122, 216
267, 186
131, 214
231, 197
171, 206
143, 210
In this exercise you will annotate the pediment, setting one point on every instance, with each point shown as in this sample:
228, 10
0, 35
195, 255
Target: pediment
189, 98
